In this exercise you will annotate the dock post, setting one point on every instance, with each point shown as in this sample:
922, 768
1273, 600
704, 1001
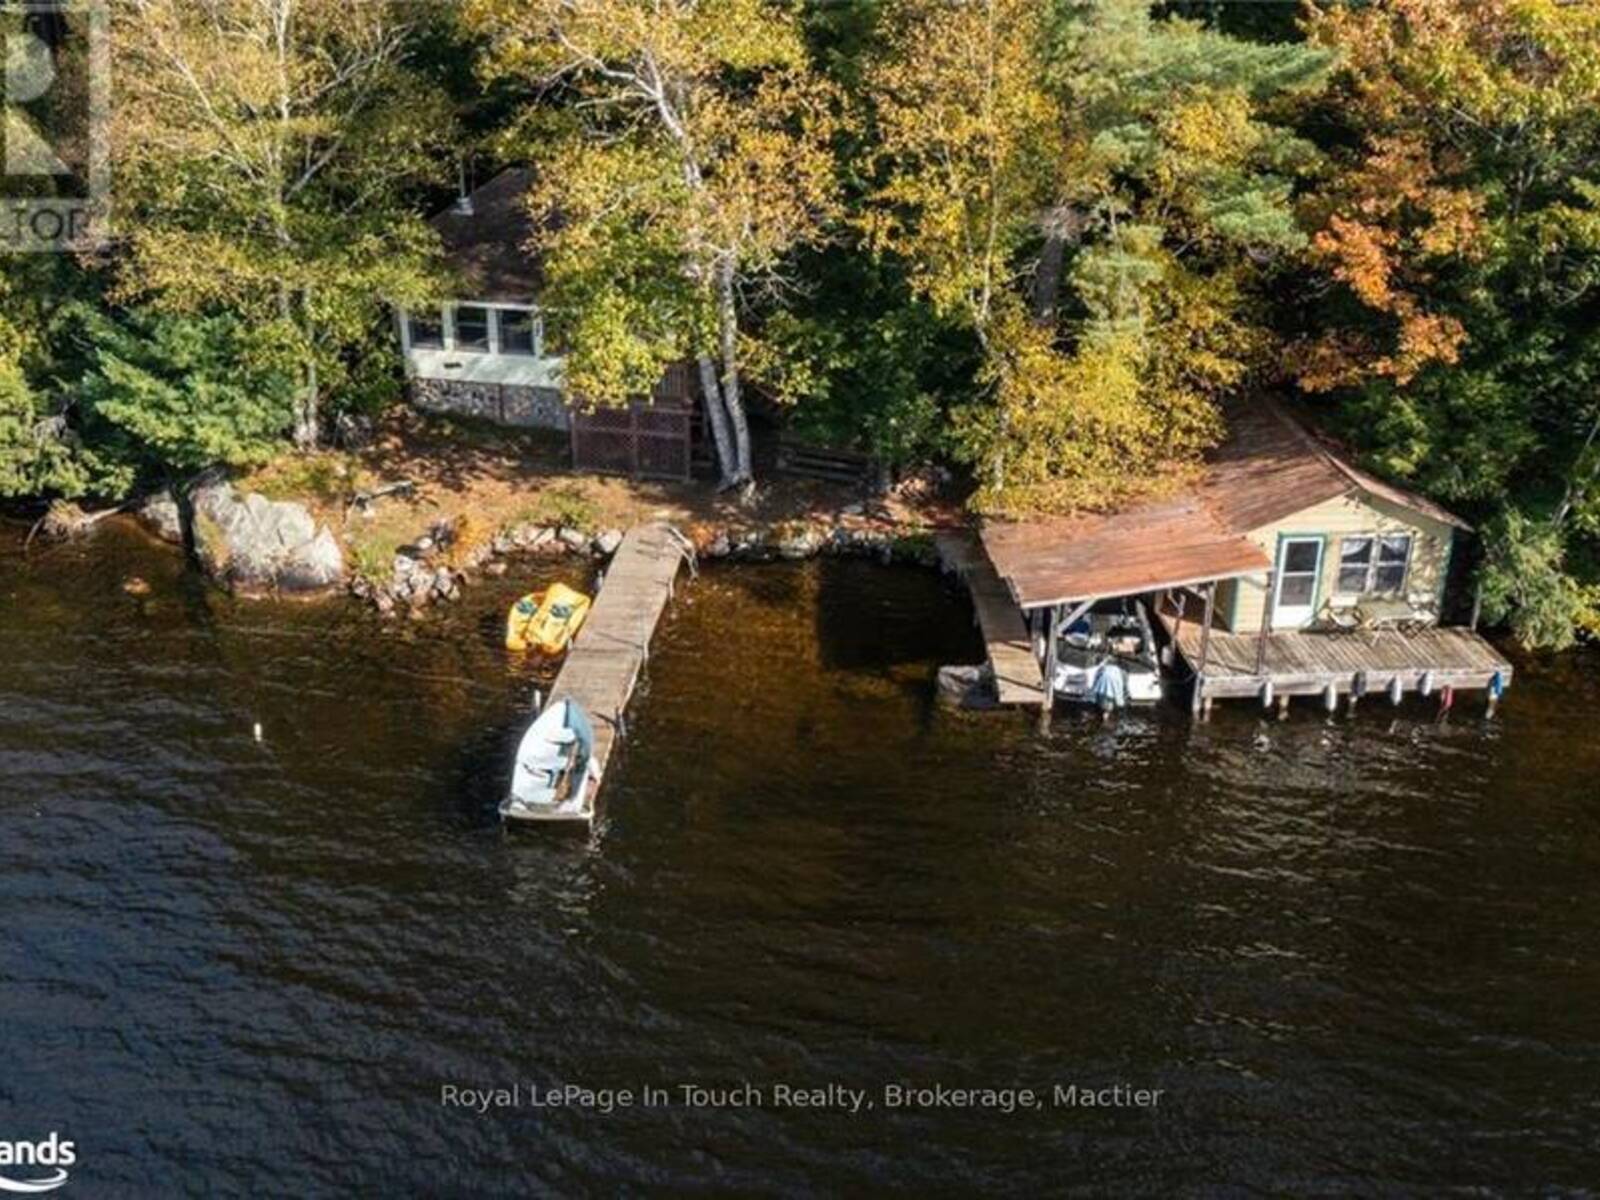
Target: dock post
1205, 646
1330, 698
1266, 626
1048, 704
1283, 706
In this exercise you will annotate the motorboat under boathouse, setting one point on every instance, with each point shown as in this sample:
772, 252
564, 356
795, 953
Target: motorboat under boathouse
1285, 571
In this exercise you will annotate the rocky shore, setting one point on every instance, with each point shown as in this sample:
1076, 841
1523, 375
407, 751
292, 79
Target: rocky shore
436, 567
256, 546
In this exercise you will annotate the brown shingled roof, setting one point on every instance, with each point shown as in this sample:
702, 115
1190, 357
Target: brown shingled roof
1271, 467
487, 248
1161, 544
1268, 469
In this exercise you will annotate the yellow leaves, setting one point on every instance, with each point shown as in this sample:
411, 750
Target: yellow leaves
969, 145
1211, 127
1118, 417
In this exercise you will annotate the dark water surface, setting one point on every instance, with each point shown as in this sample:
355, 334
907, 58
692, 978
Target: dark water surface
1360, 957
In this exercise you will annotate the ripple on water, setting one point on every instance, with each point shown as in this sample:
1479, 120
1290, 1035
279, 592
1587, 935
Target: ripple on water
1358, 954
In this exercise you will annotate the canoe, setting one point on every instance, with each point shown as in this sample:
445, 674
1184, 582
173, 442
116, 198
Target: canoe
546, 621
555, 778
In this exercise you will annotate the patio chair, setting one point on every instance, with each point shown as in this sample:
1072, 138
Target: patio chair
1343, 618
1424, 613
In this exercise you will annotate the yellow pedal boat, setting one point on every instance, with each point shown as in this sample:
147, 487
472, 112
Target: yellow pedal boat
546, 621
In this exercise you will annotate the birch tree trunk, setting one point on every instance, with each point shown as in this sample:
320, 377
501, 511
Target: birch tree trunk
307, 409
718, 415
732, 398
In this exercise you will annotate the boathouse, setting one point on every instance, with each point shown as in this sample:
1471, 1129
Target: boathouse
485, 351
1285, 570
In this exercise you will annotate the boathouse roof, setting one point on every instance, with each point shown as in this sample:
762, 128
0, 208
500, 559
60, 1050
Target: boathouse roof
485, 238
1269, 468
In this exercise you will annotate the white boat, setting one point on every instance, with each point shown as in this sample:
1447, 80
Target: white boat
555, 778
1108, 657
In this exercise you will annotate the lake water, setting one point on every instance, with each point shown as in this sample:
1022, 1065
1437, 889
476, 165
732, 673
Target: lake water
1356, 956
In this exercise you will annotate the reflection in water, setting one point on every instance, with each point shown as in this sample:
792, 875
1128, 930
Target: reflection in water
1357, 954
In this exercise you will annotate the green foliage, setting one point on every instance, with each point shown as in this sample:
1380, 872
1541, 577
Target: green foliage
562, 507
372, 555
1153, 157
184, 393
1527, 586
266, 176
1457, 238
36, 455
862, 363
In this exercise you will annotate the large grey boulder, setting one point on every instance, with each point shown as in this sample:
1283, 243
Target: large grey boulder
968, 686
160, 515
254, 544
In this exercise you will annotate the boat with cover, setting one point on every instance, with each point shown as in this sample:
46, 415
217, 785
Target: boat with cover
556, 777
546, 621
1108, 657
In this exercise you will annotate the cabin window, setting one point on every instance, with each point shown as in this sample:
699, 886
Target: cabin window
472, 327
426, 330
519, 331
1373, 564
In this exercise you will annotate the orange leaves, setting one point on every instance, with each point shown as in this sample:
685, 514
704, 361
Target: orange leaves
1359, 258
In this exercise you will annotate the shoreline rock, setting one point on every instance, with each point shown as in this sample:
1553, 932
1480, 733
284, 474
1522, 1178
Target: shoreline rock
254, 545
161, 517
414, 582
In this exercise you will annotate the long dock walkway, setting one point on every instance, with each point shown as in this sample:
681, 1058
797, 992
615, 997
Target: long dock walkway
1017, 675
604, 663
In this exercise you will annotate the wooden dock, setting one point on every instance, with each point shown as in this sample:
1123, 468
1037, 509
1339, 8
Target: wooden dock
1017, 675
604, 663
1334, 664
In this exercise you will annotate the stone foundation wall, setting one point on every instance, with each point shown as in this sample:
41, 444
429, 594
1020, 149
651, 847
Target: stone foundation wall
504, 403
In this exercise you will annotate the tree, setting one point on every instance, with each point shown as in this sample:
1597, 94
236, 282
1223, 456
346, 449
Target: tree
689, 155
1141, 164
1458, 243
42, 452
263, 147
182, 393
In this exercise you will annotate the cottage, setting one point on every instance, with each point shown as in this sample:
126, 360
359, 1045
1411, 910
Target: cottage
1285, 570
486, 352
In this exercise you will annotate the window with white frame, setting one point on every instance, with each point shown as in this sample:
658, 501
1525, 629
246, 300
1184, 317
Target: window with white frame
1371, 564
426, 329
519, 331
471, 327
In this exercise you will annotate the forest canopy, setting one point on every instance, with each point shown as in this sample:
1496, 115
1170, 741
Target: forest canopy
1039, 240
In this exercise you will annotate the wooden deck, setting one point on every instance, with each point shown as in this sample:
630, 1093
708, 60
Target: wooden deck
1302, 664
1017, 674
604, 663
